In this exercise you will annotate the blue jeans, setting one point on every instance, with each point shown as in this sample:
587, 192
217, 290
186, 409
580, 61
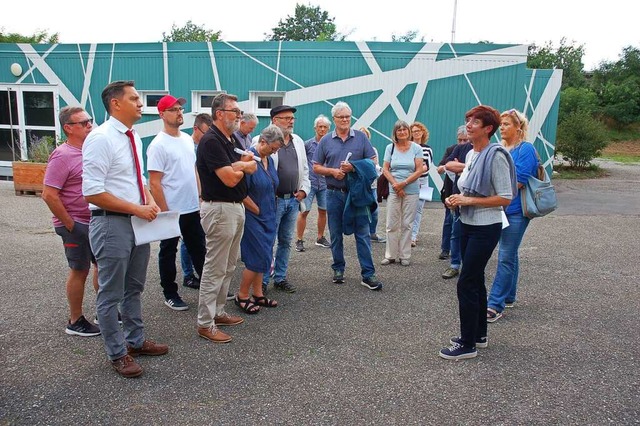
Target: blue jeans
505, 282
286, 215
373, 225
445, 243
477, 244
335, 207
456, 254
185, 261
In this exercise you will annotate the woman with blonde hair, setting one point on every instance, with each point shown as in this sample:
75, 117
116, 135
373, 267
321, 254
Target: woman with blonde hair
402, 168
513, 130
420, 135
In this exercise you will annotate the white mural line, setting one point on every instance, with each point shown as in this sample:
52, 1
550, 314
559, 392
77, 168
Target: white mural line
417, 70
48, 74
113, 52
263, 64
275, 84
88, 72
32, 67
165, 66
214, 68
545, 103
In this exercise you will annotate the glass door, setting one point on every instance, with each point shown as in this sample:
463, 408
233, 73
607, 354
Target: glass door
27, 113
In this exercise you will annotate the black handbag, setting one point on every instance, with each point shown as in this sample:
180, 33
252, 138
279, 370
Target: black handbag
382, 191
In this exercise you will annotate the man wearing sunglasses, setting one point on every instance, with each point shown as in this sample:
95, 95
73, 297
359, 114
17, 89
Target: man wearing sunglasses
63, 194
173, 183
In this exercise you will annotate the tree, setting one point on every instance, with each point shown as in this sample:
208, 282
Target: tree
574, 99
407, 37
36, 38
308, 23
191, 32
581, 138
618, 87
567, 57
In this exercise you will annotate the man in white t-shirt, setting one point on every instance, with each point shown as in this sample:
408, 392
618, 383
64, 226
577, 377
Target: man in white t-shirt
174, 185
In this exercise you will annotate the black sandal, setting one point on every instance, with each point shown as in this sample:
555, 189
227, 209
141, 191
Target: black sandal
247, 305
263, 301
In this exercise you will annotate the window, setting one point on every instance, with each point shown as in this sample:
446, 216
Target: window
262, 102
201, 100
150, 101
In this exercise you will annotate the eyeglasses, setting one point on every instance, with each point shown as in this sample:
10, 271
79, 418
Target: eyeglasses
288, 119
83, 122
201, 131
342, 117
176, 109
416, 131
236, 111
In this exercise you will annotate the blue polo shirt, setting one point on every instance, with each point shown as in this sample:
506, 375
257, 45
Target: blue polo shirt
332, 151
318, 182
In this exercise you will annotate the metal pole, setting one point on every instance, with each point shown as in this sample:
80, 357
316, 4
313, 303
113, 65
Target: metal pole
453, 26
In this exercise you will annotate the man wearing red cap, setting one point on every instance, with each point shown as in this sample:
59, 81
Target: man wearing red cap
173, 183
114, 186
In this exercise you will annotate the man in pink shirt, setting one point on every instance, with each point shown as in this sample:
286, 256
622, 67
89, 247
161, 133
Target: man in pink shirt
63, 194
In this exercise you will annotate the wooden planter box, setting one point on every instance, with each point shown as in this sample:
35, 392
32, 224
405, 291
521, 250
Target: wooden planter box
28, 177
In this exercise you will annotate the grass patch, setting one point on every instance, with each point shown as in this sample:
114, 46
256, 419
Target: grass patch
631, 132
622, 158
590, 172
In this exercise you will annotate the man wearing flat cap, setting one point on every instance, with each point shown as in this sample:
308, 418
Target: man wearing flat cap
171, 162
293, 173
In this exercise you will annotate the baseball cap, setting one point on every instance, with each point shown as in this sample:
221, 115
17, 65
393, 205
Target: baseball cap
168, 101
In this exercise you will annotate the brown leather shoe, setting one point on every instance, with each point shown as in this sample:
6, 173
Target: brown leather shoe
226, 319
127, 366
213, 334
148, 348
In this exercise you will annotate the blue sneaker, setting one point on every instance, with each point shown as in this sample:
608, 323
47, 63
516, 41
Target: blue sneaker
481, 343
372, 283
338, 277
176, 303
457, 352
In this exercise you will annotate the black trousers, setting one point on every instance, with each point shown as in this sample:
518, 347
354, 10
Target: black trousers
194, 240
476, 244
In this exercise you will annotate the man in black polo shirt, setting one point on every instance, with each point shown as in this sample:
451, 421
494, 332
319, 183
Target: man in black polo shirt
223, 187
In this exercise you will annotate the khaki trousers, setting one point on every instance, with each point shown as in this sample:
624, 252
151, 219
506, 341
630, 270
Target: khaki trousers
223, 224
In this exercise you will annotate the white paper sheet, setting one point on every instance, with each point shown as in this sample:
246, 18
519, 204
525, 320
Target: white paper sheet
505, 221
426, 193
163, 227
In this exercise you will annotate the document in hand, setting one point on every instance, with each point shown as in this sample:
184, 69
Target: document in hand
163, 227
426, 193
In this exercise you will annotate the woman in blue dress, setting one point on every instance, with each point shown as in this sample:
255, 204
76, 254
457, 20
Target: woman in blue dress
260, 223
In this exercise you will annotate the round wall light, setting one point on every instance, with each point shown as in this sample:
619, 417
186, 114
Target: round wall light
16, 69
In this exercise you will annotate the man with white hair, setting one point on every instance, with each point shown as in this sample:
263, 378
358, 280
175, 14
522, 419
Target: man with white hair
333, 159
248, 124
318, 190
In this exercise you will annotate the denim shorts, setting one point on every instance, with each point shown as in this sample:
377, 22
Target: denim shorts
76, 246
319, 195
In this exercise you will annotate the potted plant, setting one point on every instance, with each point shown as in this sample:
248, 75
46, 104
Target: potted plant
28, 176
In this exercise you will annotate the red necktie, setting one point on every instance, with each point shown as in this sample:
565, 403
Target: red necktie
138, 172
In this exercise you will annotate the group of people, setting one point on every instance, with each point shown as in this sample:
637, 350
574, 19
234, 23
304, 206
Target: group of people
243, 197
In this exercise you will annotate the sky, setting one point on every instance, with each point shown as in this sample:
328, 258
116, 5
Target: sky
604, 28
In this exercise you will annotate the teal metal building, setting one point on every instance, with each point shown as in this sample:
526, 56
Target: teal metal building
435, 83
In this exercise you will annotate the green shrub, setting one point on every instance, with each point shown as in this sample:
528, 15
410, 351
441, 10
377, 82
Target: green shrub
581, 138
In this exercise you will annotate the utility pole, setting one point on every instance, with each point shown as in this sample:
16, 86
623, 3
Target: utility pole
453, 26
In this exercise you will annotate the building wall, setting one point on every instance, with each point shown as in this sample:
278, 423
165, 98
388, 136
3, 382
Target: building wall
435, 83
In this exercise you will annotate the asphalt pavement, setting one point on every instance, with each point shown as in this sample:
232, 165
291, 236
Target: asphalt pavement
341, 354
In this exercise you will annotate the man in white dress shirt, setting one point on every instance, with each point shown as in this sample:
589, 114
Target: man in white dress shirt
113, 184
